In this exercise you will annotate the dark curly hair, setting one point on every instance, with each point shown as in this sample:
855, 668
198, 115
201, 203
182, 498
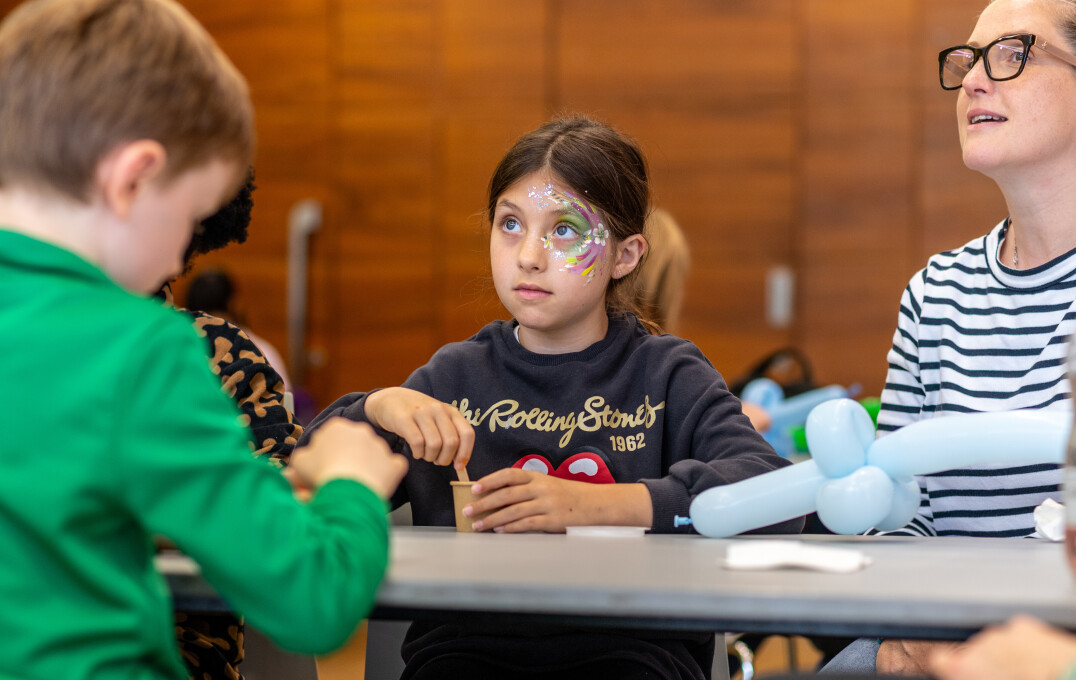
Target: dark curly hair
227, 225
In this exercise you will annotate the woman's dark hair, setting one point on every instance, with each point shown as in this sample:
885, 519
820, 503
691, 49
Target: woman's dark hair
227, 225
596, 161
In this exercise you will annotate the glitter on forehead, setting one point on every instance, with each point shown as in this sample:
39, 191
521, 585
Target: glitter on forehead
544, 197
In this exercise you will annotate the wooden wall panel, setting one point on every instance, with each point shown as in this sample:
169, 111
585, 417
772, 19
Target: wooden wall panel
859, 148
707, 89
385, 78
496, 65
281, 50
958, 204
779, 132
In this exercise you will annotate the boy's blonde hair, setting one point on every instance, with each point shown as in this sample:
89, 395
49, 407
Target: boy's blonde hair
78, 78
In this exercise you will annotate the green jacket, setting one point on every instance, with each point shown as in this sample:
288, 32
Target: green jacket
115, 430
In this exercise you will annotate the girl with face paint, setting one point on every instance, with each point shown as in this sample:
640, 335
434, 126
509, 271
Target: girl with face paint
574, 412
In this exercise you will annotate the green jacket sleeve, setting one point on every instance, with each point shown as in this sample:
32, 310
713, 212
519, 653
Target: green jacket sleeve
303, 573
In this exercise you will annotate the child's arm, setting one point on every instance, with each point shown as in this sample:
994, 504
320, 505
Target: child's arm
435, 431
341, 449
530, 501
304, 573
707, 440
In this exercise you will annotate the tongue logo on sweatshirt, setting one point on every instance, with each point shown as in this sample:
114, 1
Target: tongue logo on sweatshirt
582, 467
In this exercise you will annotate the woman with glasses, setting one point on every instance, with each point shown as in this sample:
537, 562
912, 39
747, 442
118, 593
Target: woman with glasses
985, 327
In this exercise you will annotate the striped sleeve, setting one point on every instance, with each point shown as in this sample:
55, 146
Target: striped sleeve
903, 394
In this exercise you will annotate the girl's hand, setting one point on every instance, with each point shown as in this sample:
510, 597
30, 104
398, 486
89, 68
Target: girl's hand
523, 500
1022, 649
434, 430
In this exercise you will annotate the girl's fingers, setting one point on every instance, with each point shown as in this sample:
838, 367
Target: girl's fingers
507, 516
423, 438
507, 497
440, 437
449, 438
513, 504
502, 478
466, 439
522, 526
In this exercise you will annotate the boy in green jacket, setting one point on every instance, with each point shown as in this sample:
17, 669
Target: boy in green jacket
121, 126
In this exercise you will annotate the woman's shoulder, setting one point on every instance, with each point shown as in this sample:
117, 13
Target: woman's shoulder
971, 253
968, 253
963, 267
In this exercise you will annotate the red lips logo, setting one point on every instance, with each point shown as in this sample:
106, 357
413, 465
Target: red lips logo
582, 467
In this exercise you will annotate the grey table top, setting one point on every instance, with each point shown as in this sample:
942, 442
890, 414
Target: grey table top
939, 587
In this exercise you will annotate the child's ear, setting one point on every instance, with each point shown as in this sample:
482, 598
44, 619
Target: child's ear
126, 172
629, 253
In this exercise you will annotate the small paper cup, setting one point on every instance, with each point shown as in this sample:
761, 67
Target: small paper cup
461, 496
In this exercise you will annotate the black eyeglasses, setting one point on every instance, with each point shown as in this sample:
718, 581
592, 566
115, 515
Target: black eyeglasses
1005, 59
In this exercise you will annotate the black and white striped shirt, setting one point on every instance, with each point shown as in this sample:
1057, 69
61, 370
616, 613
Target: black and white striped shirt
974, 335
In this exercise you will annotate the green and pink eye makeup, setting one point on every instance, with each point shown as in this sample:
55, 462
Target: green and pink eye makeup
578, 237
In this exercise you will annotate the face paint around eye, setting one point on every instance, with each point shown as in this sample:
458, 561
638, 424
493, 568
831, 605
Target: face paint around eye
584, 250
588, 257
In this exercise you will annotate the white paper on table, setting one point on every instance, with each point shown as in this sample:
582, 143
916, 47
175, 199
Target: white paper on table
1050, 520
794, 554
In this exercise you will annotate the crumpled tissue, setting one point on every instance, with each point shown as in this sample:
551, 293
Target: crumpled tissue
794, 554
1050, 520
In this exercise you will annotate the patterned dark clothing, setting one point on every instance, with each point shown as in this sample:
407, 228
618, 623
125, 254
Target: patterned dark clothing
256, 387
212, 644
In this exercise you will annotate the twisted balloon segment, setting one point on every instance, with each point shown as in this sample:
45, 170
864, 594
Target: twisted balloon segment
856, 482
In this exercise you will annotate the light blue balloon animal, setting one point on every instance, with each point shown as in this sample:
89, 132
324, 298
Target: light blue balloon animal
856, 482
786, 414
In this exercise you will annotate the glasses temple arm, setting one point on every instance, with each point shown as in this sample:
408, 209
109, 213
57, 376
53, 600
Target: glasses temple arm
1055, 52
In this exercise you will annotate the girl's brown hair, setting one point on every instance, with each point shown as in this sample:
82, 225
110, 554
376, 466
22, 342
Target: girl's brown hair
596, 161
